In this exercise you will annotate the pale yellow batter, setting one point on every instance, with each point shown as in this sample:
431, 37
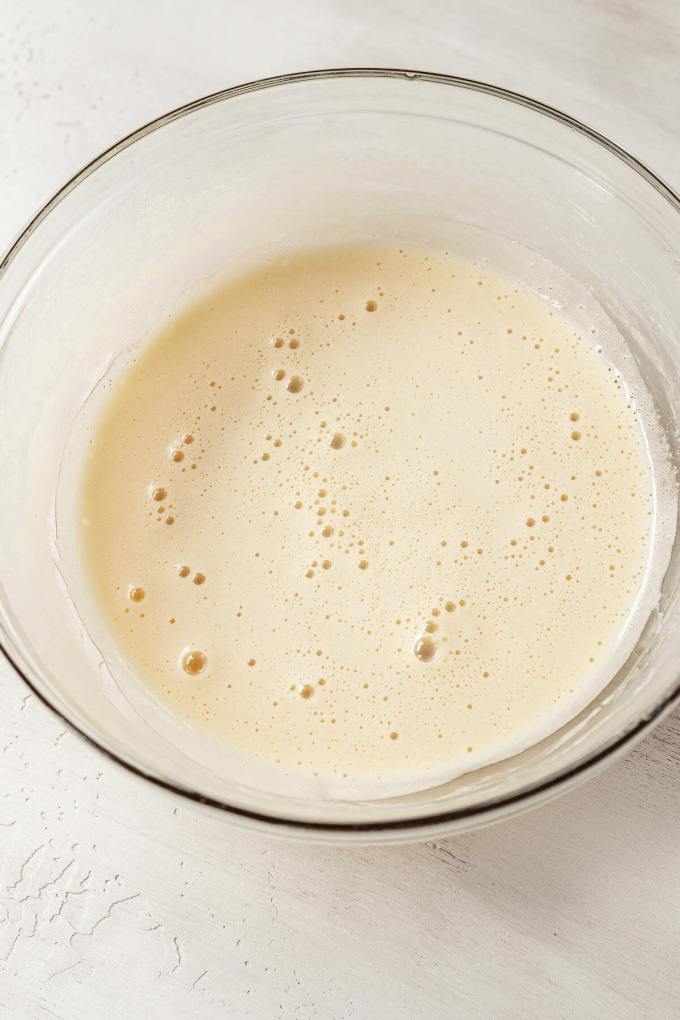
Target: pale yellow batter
370, 513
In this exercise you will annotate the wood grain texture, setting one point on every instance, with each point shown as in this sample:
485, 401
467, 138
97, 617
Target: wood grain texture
116, 901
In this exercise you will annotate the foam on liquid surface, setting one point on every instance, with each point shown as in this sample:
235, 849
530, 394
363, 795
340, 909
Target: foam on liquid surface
370, 513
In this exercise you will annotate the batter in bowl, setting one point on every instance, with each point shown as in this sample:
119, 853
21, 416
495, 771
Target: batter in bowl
372, 513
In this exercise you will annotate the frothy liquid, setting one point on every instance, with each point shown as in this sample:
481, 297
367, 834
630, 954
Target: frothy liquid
372, 514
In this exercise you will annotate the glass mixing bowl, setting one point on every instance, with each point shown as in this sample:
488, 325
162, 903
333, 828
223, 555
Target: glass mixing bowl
338, 155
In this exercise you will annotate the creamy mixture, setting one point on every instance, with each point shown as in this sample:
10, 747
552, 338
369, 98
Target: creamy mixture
370, 513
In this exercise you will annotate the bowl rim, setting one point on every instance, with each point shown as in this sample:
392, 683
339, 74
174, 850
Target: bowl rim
486, 809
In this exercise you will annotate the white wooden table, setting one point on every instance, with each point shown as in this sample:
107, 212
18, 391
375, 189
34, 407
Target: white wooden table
116, 903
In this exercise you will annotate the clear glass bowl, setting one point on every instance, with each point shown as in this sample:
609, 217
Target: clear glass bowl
339, 156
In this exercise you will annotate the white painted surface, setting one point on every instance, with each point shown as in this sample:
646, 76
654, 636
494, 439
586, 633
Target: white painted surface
116, 902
